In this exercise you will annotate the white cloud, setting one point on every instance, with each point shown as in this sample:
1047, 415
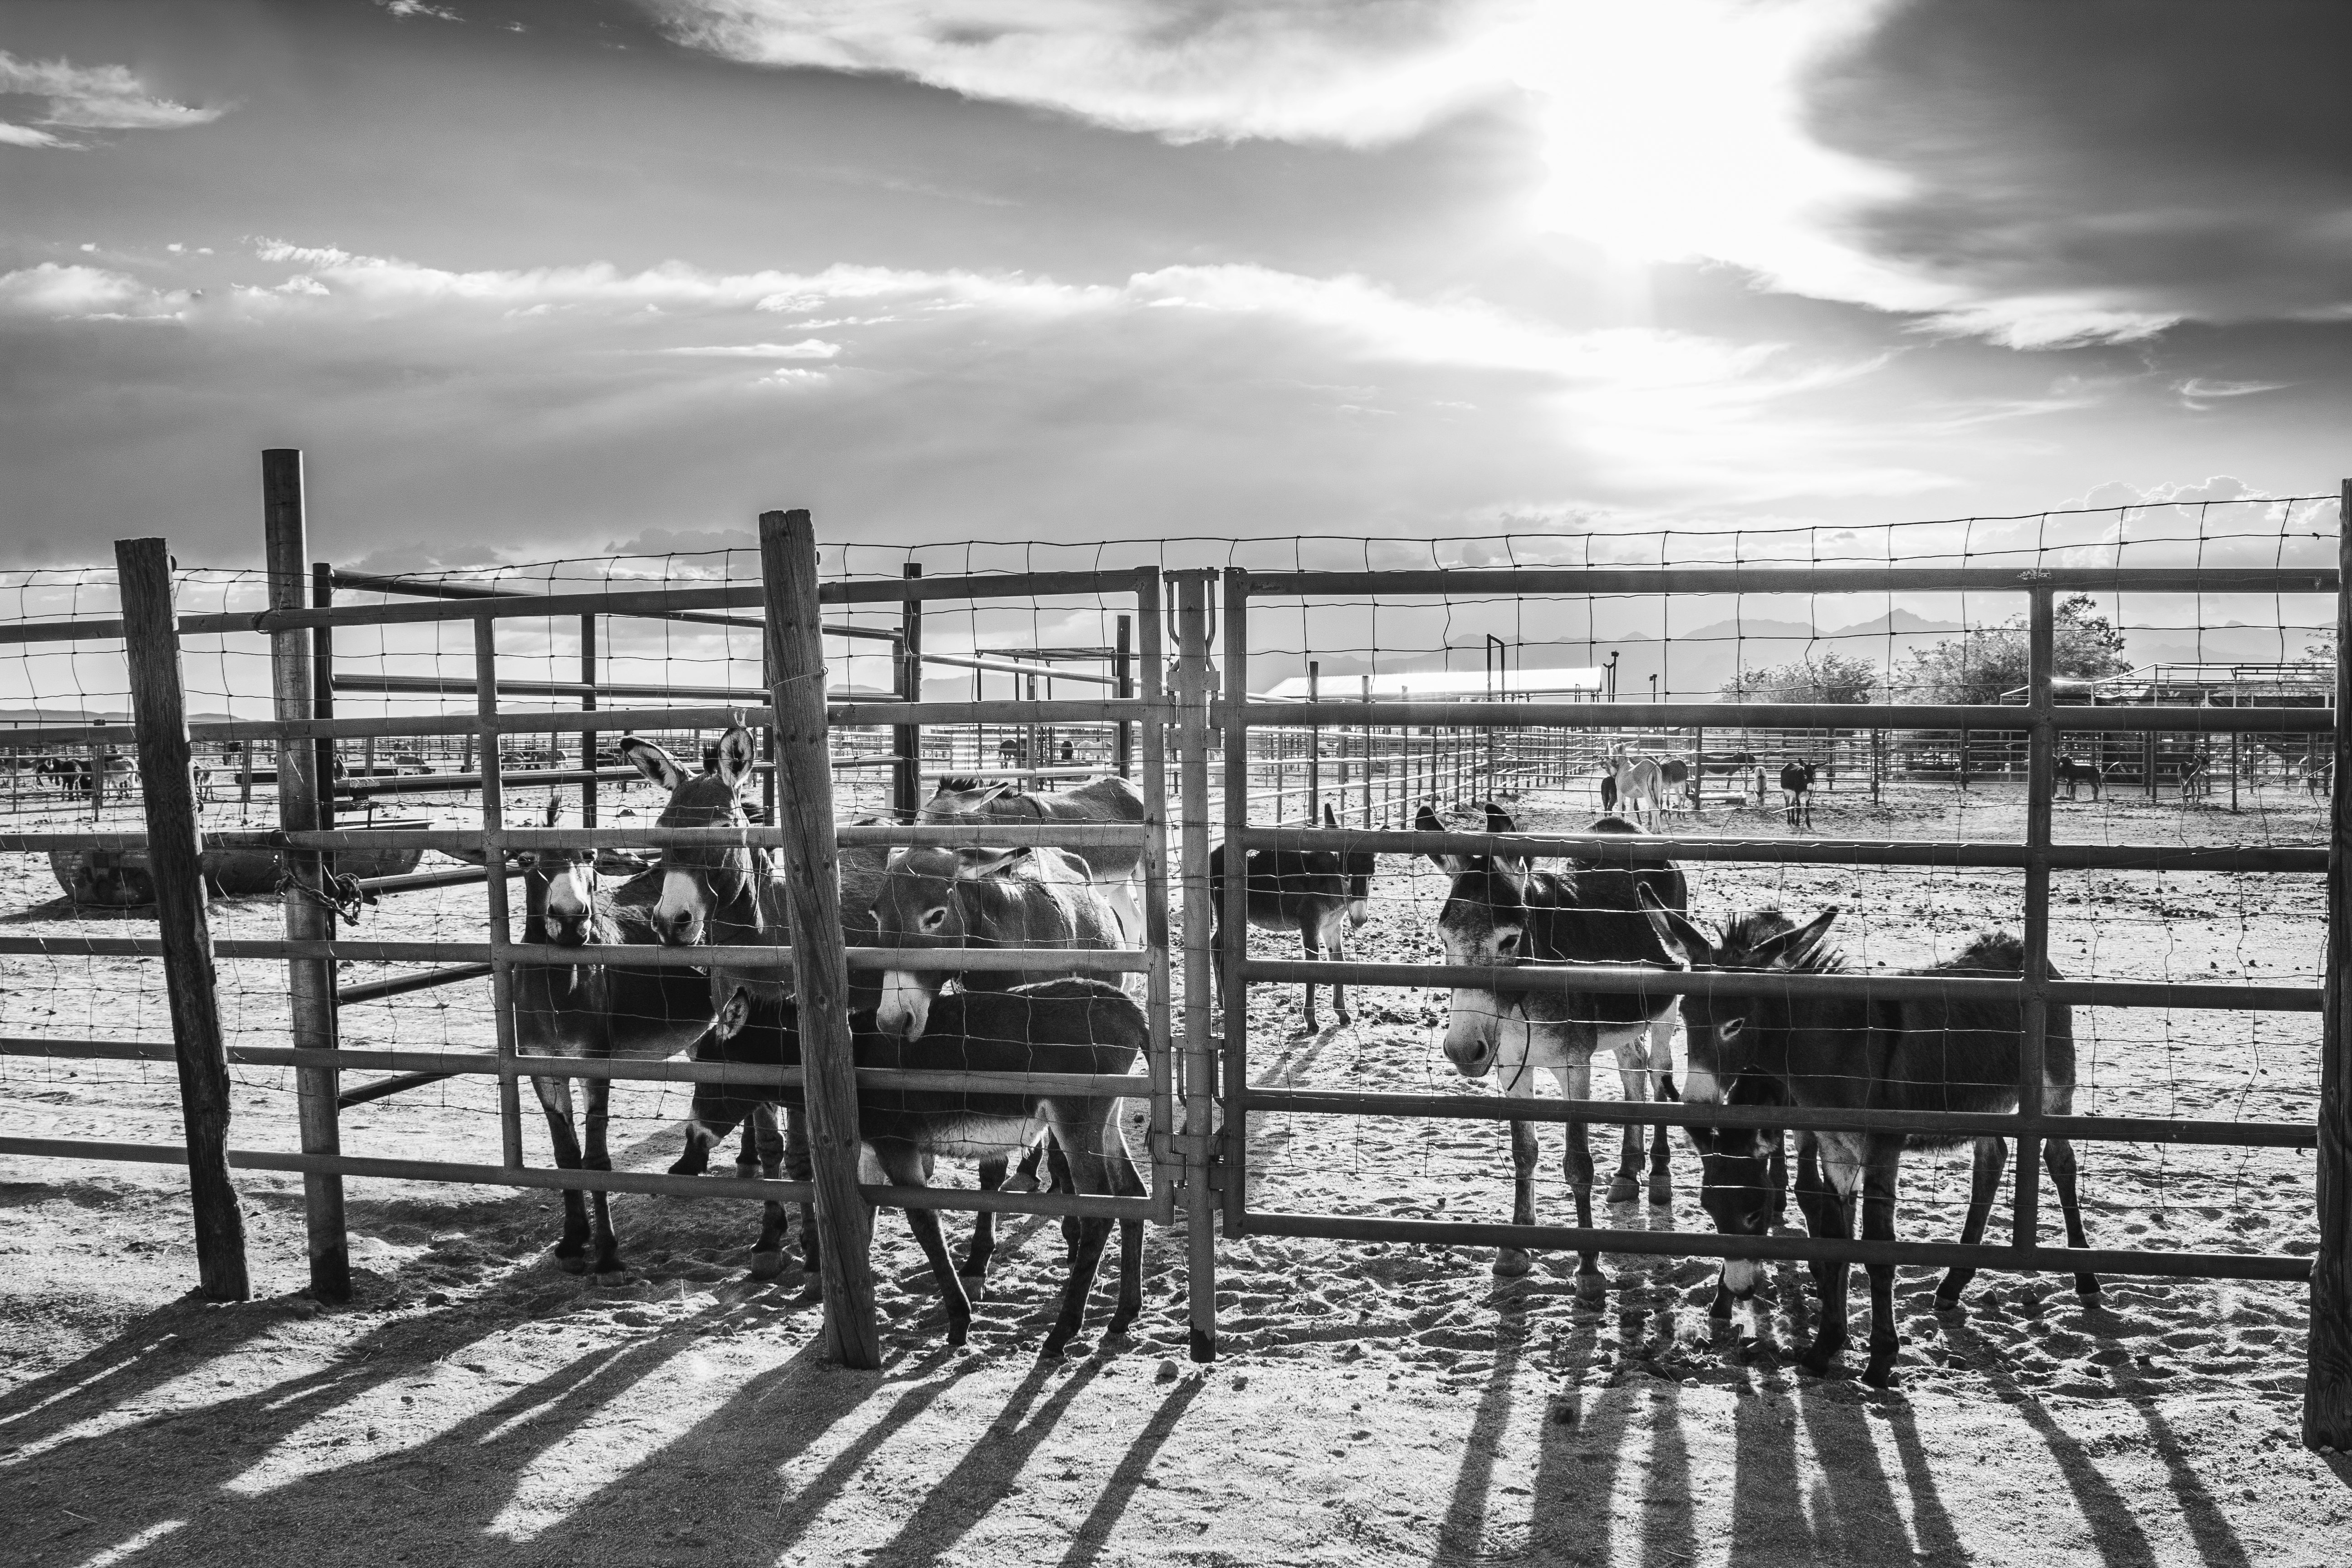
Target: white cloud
90, 98
85, 293
1360, 72
1673, 129
808, 348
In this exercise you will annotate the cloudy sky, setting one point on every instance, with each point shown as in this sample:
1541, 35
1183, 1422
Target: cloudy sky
530, 278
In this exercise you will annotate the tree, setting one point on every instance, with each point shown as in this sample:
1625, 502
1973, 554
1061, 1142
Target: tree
1984, 662
1832, 678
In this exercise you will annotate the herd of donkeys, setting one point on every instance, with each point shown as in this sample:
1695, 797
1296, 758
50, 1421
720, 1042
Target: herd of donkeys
1924, 1049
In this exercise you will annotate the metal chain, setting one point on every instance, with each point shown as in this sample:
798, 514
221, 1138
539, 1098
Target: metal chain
341, 894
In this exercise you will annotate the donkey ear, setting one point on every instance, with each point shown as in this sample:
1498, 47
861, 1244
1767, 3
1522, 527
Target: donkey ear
735, 756
1683, 943
1426, 820
1331, 818
554, 808
986, 862
734, 1016
1791, 948
650, 760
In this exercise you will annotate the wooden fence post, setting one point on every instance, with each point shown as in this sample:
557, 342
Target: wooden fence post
2327, 1385
907, 739
1122, 669
588, 739
820, 969
310, 982
1195, 1081
152, 642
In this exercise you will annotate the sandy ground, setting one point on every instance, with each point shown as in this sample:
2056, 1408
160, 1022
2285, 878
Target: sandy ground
1373, 1404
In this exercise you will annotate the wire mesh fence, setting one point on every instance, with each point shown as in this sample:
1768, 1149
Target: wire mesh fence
1340, 671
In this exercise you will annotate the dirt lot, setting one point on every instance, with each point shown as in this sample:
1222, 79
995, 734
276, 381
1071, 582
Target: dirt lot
1374, 1404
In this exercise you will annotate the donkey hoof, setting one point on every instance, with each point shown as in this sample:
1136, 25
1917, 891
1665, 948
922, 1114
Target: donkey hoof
1624, 1190
1662, 1192
1950, 1303
1880, 1374
745, 1169
767, 1265
1021, 1182
1591, 1284
577, 1263
1820, 1364
1511, 1262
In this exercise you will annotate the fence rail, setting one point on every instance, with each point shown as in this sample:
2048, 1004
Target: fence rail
1171, 704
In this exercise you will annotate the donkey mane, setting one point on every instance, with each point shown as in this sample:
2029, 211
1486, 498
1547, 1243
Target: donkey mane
1743, 934
1996, 950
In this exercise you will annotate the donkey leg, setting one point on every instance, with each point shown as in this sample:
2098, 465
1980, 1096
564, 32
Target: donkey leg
763, 1143
902, 1163
1822, 1197
769, 1262
1307, 942
598, 1093
1337, 944
1662, 1065
555, 1099
1634, 1079
2058, 1153
1878, 1224
1025, 1179
1992, 1159
1513, 1261
1776, 1168
1576, 1083
975, 1267
1092, 1171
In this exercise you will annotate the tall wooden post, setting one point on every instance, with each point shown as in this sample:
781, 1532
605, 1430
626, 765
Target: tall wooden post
1313, 746
2327, 1386
588, 737
310, 982
322, 697
174, 850
2040, 779
1196, 1085
501, 925
821, 971
907, 739
1122, 669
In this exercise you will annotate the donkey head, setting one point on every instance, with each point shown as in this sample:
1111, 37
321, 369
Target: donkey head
558, 888
961, 796
701, 884
1482, 924
1358, 866
1720, 1047
919, 906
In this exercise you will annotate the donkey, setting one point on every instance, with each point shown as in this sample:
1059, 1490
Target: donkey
1318, 893
1851, 1053
1498, 913
1675, 774
1641, 785
1060, 1027
728, 895
2073, 774
933, 899
1797, 792
1102, 800
596, 1012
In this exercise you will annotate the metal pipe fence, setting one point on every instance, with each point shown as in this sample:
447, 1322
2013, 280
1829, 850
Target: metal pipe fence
1181, 702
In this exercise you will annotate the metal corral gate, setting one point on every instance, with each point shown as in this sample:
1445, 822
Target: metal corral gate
799, 717
2328, 1400
1185, 1073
